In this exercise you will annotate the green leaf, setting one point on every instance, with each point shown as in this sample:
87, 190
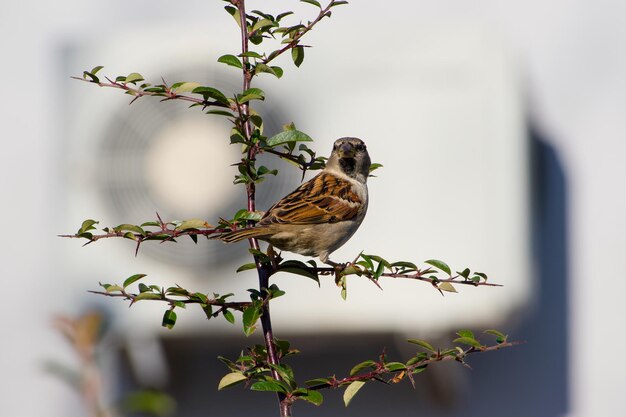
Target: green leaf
147, 296
297, 55
132, 279
466, 333
231, 379
440, 265
193, 224
251, 94
465, 273
395, 366
273, 386
287, 137
313, 2
210, 92
314, 397
404, 264
220, 113
317, 382
468, 341
351, 391
86, 226
231, 60
422, 343
419, 369
95, 70
229, 316
500, 337
275, 71
298, 268
133, 77
251, 54
263, 23
129, 228
143, 288
446, 286
113, 288
250, 317
374, 167
482, 275
187, 87
169, 319
359, 367
156, 224
246, 267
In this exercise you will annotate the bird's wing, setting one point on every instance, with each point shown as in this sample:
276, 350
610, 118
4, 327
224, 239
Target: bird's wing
325, 198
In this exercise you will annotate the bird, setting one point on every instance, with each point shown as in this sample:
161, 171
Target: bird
321, 214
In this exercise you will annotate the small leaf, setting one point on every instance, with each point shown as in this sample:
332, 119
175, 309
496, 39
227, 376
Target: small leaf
231, 379
466, 333
250, 317
351, 391
422, 343
374, 167
482, 275
251, 94
287, 137
440, 265
465, 273
87, 225
210, 92
359, 367
318, 382
297, 55
246, 267
95, 70
395, 366
147, 296
273, 386
187, 87
193, 224
169, 319
313, 2
129, 228
500, 337
446, 286
228, 316
298, 268
262, 23
112, 288
468, 341
134, 77
231, 60
132, 279
404, 264
314, 397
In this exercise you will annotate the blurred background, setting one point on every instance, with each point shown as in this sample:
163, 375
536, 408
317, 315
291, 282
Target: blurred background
500, 128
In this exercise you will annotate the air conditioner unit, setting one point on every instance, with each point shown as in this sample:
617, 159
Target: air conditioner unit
443, 113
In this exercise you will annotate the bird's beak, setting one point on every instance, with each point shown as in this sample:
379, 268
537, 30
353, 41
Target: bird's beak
346, 150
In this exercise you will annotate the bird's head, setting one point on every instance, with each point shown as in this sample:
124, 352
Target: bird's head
350, 157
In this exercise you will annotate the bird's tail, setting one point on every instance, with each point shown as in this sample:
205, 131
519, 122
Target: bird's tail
237, 235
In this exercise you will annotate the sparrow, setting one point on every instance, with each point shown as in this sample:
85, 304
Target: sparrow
321, 214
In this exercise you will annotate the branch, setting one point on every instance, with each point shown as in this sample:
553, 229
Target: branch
383, 368
159, 91
234, 305
296, 39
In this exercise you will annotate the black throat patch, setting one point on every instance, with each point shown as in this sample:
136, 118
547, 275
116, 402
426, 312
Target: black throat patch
348, 165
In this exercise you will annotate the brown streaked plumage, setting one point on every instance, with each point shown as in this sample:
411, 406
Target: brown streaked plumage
323, 213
